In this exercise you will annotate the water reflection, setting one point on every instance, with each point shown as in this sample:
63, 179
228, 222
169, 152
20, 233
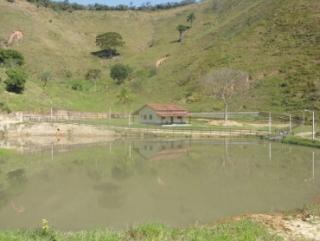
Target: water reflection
110, 195
16, 176
177, 182
162, 150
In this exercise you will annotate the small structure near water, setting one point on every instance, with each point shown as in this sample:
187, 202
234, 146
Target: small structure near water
162, 114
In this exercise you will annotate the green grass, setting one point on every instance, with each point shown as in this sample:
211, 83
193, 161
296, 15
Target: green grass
301, 141
5, 152
244, 230
274, 41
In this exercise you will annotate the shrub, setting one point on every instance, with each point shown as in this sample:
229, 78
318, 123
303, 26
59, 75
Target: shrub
93, 74
16, 80
75, 85
119, 73
80, 85
11, 57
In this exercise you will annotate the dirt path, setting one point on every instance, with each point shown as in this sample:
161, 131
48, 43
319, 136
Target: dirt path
243, 124
187, 133
162, 60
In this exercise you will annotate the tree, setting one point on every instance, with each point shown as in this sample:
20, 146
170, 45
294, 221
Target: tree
16, 80
181, 29
93, 75
120, 72
224, 84
109, 41
190, 18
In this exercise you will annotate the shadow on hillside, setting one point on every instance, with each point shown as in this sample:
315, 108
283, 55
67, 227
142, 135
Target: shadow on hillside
106, 53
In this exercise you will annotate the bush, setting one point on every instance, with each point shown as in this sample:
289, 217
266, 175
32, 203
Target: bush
76, 86
93, 74
80, 85
16, 80
120, 73
11, 57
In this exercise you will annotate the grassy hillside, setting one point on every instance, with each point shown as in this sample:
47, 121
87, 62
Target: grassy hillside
276, 42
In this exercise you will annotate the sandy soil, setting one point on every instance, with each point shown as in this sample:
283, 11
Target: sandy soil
57, 130
242, 124
162, 60
301, 226
225, 123
38, 136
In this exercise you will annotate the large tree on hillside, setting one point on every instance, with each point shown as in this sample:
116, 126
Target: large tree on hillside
190, 18
181, 29
109, 41
224, 84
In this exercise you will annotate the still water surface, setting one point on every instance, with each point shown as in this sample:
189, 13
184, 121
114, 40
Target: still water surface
178, 183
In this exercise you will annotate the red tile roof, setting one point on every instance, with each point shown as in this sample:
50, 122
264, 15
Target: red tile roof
167, 110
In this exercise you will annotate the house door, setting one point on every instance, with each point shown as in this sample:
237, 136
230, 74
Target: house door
171, 119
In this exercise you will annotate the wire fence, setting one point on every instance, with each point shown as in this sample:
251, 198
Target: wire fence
252, 123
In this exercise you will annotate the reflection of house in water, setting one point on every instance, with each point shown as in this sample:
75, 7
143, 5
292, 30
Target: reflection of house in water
161, 150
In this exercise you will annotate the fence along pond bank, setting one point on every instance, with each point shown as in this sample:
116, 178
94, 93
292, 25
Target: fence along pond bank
70, 123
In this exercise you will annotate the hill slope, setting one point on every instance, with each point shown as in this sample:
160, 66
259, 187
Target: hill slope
276, 42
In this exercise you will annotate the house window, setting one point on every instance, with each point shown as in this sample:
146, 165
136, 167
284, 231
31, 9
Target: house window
145, 117
150, 117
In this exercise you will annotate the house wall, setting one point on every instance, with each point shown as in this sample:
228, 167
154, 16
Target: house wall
148, 116
146, 113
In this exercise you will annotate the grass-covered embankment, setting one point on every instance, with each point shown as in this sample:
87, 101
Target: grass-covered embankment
245, 230
301, 141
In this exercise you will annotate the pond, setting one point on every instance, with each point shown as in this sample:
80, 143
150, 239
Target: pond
174, 182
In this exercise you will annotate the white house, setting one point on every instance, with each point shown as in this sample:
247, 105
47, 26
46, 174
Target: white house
162, 114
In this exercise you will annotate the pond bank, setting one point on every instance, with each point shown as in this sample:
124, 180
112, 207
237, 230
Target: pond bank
301, 141
57, 130
243, 230
302, 225
188, 133
72, 129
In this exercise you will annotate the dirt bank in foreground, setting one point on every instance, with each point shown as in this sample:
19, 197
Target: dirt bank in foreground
57, 130
302, 226
39, 136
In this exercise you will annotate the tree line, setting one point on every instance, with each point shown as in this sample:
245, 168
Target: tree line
68, 6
